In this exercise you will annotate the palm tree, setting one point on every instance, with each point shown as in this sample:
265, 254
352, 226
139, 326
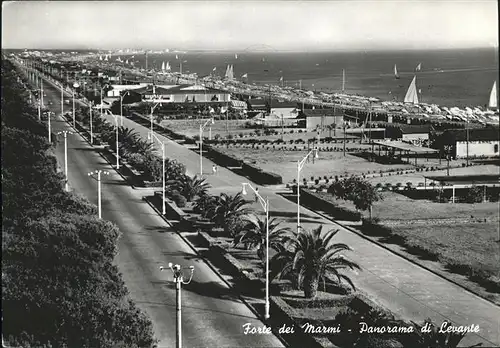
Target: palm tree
254, 232
310, 257
143, 147
227, 210
192, 187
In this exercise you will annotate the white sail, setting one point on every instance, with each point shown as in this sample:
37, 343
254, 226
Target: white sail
168, 66
419, 67
396, 75
412, 93
100, 57
235, 56
106, 58
163, 66
226, 75
231, 74
493, 97
126, 62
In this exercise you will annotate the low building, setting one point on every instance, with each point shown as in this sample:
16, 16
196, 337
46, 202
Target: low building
482, 142
117, 90
182, 94
321, 118
285, 109
414, 133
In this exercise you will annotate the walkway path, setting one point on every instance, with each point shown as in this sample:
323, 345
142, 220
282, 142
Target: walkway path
398, 284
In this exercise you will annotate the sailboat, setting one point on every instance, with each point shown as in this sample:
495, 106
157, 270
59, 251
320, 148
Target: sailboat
419, 67
167, 67
493, 104
396, 75
100, 57
412, 93
163, 66
126, 62
106, 58
235, 56
229, 72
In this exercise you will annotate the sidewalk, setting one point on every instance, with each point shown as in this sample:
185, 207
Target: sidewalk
398, 284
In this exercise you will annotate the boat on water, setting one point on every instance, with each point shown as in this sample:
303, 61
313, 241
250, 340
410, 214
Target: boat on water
396, 75
229, 72
412, 92
493, 102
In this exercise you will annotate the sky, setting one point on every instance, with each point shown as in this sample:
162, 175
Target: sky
251, 25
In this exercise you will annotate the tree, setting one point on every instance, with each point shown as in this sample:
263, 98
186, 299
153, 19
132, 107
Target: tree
227, 209
474, 194
309, 257
357, 190
254, 234
191, 187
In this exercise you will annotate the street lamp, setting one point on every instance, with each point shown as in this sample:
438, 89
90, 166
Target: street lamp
117, 144
265, 205
211, 121
151, 117
75, 85
91, 131
179, 280
96, 174
48, 123
62, 100
163, 152
121, 107
300, 165
65, 133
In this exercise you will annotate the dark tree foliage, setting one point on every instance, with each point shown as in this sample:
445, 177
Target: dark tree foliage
60, 287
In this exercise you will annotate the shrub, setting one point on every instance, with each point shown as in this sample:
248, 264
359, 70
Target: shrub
179, 199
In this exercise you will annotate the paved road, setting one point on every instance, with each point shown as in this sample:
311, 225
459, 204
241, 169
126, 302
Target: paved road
212, 315
407, 289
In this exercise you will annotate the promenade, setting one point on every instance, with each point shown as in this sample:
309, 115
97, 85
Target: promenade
400, 285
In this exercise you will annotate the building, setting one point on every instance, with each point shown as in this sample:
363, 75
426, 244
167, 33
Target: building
117, 90
483, 142
285, 109
182, 94
414, 133
321, 118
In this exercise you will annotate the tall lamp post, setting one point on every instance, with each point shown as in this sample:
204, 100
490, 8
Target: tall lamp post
62, 100
121, 107
91, 129
163, 153
151, 118
179, 280
265, 205
211, 121
96, 175
117, 143
48, 123
300, 165
75, 85
65, 133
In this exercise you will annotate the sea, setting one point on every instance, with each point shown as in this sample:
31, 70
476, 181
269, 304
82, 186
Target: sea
449, 77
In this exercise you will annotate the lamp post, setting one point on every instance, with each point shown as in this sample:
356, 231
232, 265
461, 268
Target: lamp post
65, 133
163, 153
300, 165
121, 107
75, 85
211, 121
179, 280
265, 205
117, 143
41, 90
447, 149
151, 118
62, 100
91, 129
96, 174
48, 123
